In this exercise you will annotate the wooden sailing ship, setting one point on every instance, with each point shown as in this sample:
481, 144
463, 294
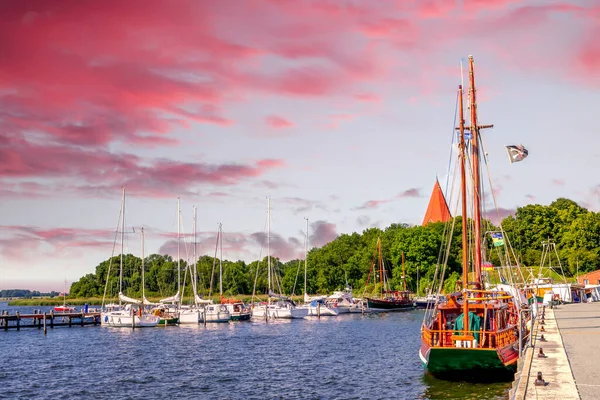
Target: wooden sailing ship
387, 299
475, 333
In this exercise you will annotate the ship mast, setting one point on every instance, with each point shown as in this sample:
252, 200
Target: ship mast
463, 180
474, 129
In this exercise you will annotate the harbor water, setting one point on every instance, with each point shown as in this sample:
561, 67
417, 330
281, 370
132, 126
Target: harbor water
355, 356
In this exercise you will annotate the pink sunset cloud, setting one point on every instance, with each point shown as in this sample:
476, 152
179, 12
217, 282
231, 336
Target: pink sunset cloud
322, 233
413, 192
372, 204
275, 121
496, 216
17, 242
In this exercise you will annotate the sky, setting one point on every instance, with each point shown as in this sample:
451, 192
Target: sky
341, 111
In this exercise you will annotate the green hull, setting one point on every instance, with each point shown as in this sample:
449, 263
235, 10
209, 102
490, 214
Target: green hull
467, 363
242, 317
168, 321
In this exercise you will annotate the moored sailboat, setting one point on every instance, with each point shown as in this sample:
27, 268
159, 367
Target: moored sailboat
475, 333
316, 305
387, 299
129, 312
277, 306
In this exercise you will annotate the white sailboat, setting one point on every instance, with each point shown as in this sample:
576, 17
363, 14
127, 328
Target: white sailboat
129, 313
282, 307
217, 312
170, 306
192, 314
315, 304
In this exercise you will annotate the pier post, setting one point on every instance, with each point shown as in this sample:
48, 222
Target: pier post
51, 319
70, 320
18, 321
204, 314
44, 323
319, 310
82, 318
5, 320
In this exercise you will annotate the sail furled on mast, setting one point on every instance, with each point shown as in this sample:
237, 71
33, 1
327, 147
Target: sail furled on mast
437, 210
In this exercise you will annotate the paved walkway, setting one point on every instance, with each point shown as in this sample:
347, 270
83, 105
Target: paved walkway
579, 326
554, 365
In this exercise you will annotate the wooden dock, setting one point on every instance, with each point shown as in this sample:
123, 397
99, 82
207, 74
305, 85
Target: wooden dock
45, 320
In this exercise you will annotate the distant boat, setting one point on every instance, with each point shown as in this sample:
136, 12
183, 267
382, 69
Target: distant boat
429, 300
132, 313
277, 306
64, 308
315, 305
238, 311
387, 299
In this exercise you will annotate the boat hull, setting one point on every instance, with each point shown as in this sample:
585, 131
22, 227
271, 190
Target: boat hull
168, 321
117, 320
323, 311
218, 317
390, 305
279, 313
465, 363
240, 316
189, 317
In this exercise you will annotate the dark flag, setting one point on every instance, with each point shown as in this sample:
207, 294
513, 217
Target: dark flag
516, 153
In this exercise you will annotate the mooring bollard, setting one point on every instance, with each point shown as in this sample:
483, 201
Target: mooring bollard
541, 354
543, 339
542, 330
540, 381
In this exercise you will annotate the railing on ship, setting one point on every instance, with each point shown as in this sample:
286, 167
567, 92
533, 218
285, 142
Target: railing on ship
454, 338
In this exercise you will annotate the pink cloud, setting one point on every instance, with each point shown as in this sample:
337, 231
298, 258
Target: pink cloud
558, 182
153, 177
301, 205
413, 192
28, 241
496, 216
322, 233
530, 197
371, 204
368, 97
275, 121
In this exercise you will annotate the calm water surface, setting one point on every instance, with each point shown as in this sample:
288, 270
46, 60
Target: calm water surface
345, 357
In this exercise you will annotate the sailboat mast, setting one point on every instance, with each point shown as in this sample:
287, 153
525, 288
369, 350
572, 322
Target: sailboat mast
269, 242
195, 271
381, 276
122, 244
221, 260
463, 181
476, 178
403, 274
178, 250
143, 280
305, 256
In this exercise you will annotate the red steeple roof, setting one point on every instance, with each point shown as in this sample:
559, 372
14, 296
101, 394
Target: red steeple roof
437, 210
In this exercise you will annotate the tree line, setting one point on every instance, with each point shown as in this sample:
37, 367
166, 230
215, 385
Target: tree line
25, 293
348, 259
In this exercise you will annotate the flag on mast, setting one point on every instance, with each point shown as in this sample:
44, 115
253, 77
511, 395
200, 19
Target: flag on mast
516, 153
497, 239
